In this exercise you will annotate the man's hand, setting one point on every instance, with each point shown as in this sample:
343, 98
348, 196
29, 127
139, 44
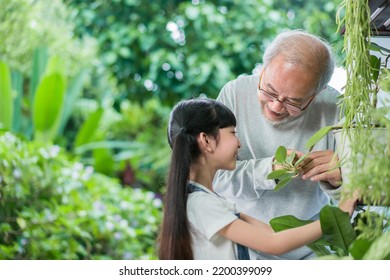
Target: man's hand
322, 166
348, 202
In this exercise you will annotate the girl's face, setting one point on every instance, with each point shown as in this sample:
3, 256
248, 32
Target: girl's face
227, 149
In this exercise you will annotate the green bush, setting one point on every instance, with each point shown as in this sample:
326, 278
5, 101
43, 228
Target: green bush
53, 207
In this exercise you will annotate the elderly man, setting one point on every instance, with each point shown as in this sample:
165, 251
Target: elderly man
284, 104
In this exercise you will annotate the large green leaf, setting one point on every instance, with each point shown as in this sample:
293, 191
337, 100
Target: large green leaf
336, 228
380, 248
48, 106
17, 85
88, 129
375, 63
333, 223
6, 98
359, 248
287, 222
40, 60
73, 92
103, 161
320, 248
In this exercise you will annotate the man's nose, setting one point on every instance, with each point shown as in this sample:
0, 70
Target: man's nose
277, 105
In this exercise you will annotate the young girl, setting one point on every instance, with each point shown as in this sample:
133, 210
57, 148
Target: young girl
197, 223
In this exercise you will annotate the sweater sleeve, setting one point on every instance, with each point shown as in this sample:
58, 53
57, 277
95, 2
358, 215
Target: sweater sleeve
250, 176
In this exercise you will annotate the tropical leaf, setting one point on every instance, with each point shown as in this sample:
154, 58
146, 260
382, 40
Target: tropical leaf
6, 104
336, 228
88, 129
379, 249
359, 248
48, 105
287, 222
73, 92
40, 60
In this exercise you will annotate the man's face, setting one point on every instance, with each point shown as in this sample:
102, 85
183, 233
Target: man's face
285, 90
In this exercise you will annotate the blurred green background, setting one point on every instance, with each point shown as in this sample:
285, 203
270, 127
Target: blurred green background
86, 87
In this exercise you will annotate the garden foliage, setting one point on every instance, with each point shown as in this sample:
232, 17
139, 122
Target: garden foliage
53, 207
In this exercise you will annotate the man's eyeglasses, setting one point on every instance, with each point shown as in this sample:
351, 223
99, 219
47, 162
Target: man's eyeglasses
286, 104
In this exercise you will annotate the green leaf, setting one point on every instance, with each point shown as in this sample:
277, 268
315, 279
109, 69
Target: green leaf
318, 136
88, 129
6, 98
21, 222
17, 85
336, 228
280, 154
359, 248
379, 249
290, 158
301, 159
38, 68
319, 248
103, 161
375, 63
282, 184
276, 173
375, 47
48, 106
287, 222
72, 93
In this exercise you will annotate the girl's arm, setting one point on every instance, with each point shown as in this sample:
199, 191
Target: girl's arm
259, 236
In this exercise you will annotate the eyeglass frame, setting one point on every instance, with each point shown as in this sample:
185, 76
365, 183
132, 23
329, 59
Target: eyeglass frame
274, 97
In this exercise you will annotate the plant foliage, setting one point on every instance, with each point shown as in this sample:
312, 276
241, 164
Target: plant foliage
52, 207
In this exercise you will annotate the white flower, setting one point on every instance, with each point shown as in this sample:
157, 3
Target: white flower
17, 173
123, 204
110, 226
117, 235
98, 205
157, 202
54, 151
88, 173
9, 138
128, 256
124, 223
43, 153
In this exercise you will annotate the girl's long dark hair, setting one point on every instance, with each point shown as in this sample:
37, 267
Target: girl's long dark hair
188, 119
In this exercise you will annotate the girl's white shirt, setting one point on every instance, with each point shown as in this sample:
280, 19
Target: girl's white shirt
207, 214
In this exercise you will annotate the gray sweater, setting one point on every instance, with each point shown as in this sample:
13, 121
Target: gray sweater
247, 185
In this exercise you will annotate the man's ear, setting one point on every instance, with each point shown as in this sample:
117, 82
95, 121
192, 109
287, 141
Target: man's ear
205, 142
